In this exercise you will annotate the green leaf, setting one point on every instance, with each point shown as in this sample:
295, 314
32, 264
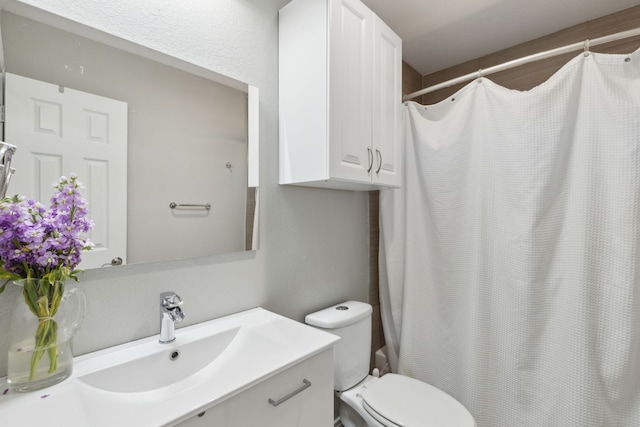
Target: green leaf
30, 295
43, 306
7, 275
56, 297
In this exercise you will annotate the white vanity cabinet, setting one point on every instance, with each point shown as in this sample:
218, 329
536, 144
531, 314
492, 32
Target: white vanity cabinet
340, 96
302, 396
219, 373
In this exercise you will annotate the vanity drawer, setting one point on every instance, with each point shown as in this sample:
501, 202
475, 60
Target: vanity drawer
299, 403
212, 417
301, 396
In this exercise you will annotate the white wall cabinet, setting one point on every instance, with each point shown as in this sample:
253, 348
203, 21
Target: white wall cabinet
299, 404
340, 96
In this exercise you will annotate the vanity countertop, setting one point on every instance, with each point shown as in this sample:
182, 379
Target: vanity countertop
262, 344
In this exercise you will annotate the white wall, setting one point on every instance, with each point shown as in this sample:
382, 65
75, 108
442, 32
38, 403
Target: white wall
313, 243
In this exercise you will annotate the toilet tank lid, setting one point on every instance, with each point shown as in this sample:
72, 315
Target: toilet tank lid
339, 315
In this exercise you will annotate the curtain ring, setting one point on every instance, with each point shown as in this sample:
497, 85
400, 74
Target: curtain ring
479, 78
587, 45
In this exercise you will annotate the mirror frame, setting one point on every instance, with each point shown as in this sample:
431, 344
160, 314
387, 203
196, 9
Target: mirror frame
59, 22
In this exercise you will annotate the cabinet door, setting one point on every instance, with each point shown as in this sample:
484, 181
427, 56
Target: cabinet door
387, 102
351, 81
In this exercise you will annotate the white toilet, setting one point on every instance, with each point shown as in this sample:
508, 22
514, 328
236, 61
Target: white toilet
390, 401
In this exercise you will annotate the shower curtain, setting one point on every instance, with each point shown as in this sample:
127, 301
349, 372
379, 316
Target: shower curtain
510, 258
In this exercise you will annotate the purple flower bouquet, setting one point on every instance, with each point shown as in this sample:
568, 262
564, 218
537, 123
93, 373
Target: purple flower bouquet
44, 246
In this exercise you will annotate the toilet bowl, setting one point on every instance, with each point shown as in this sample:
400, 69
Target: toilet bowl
351, 409
391, 400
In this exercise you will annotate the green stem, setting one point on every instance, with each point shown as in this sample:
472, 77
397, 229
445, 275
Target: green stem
43, 299
52, 349
41, 344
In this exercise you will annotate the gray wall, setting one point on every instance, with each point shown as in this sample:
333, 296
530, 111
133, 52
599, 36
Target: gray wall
313, 243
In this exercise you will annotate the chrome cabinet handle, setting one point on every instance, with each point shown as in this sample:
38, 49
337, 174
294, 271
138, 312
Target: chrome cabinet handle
370, 155
174, 205
379, 154
306, 384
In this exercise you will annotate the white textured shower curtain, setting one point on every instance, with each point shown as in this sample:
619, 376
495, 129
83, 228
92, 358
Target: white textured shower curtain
510, 261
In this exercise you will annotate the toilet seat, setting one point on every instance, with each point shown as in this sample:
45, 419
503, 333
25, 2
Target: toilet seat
379, 418
399, 401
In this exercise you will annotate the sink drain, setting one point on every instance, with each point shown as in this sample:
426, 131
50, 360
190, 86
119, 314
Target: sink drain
174, 354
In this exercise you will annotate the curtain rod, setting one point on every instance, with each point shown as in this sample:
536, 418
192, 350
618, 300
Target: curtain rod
525, 60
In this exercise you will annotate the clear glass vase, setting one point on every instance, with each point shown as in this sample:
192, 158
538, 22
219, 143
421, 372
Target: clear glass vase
45, 319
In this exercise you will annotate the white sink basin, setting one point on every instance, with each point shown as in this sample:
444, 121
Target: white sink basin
153, 365
138, 383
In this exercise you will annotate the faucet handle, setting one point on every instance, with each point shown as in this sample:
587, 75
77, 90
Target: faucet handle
170, 300
176, 314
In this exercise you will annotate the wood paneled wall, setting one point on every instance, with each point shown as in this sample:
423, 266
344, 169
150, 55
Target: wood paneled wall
377, 334
250, 218
530, 75
524, 77
411, 79
411, 82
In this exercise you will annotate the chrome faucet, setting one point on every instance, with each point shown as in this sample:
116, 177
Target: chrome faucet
170, 314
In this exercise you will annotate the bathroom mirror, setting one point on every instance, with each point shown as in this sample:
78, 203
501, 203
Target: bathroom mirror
191, 176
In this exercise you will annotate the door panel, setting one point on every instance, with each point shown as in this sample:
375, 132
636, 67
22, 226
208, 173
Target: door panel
387, 105
350, 89
59, 131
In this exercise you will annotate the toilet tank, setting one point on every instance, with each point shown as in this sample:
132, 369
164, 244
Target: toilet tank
351, 321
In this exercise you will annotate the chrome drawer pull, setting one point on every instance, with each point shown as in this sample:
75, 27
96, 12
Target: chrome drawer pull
174, 205
306, 384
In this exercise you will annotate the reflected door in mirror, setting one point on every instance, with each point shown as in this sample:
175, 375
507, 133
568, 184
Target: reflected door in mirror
59, 131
